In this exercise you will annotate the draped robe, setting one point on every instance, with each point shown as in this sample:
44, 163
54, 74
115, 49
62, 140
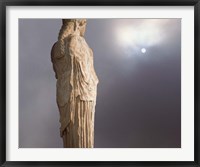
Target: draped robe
76, 91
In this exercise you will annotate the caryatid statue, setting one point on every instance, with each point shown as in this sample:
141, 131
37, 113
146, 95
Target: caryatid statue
77, 81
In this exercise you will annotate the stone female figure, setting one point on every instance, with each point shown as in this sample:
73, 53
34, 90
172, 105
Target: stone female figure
76, 84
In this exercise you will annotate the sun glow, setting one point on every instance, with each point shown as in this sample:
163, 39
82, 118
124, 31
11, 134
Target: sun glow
144, 33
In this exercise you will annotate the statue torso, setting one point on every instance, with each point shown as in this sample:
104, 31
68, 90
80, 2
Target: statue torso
75, 71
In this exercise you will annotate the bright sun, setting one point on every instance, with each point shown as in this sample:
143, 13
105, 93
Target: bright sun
143, 50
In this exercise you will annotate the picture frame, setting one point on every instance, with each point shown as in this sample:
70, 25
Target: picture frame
4, 83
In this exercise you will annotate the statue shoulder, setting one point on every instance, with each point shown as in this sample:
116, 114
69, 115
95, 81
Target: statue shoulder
53, 47
55, 51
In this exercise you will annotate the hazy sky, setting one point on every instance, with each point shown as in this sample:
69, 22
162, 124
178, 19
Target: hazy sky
138, 63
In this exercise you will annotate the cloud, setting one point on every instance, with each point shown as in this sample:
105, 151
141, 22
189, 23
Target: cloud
131, 35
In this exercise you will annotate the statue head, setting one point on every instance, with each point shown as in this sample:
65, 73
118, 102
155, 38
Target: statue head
70, 26
78, 25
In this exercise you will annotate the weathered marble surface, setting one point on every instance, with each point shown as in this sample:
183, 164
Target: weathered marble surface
76, 84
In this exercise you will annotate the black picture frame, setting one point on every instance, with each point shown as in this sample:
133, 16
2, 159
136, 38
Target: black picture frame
5, 3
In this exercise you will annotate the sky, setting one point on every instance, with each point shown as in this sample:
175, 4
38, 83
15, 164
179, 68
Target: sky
138, 63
